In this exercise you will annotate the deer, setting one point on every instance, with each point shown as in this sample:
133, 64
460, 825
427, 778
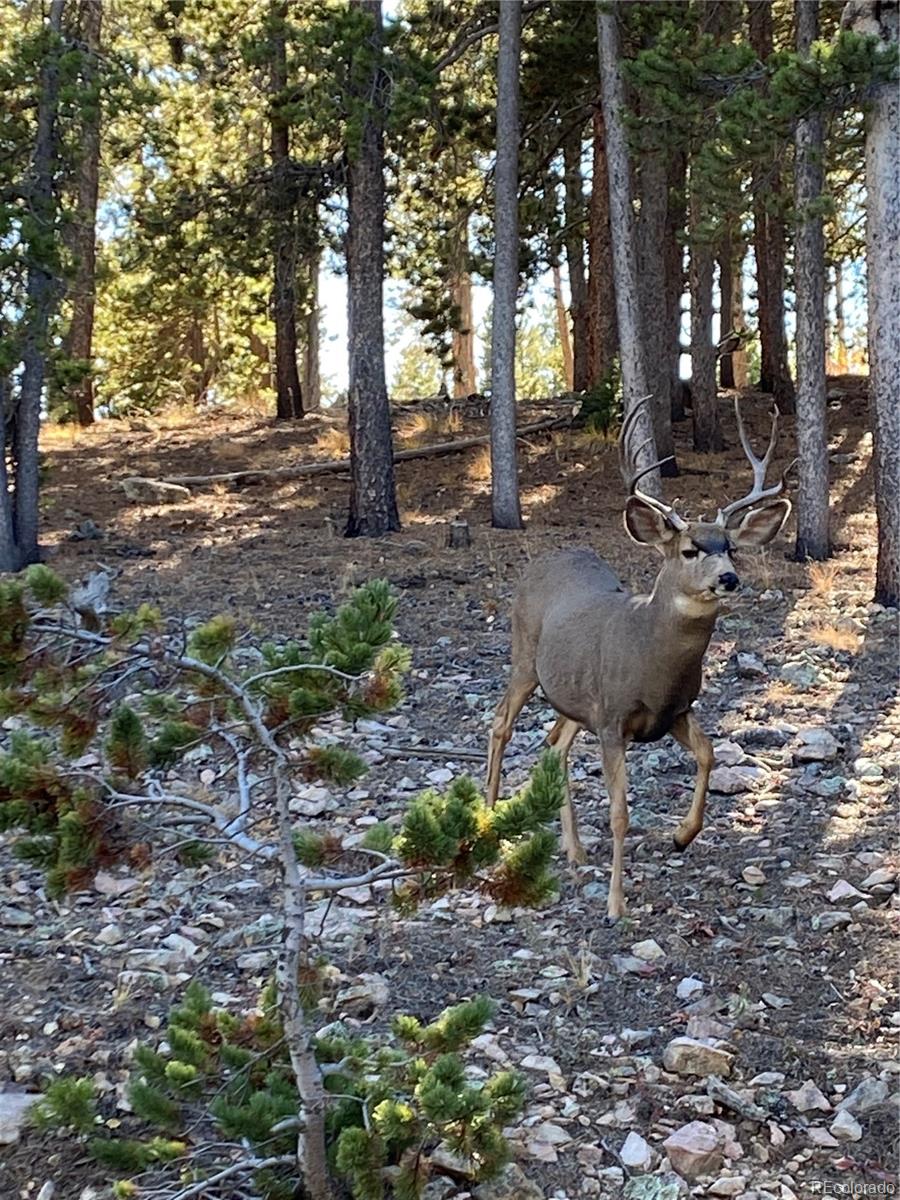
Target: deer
626, 667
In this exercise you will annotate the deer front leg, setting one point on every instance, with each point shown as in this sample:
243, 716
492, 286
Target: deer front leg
561, 737
519, 689
687, 731
613, 751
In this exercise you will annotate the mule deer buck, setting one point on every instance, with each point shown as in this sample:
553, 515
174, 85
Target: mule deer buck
628, 668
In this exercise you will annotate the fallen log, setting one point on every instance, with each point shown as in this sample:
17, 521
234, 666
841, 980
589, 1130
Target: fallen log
339, 465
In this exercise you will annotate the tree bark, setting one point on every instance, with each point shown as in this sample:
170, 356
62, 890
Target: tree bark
574, 243
809, 282
41, 294
704, 394
465, 380
738, 319
840, 323
673, 252
312, 380
373, 497
83, 233
562, 321
883, 268
726, 287
641, 452
602, 333
651, 227
289, 396
768, 243
505, 510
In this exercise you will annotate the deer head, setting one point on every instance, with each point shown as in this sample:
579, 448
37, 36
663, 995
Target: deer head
699, 568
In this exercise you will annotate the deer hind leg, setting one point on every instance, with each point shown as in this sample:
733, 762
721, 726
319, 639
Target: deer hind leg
613, 750
688, 732
561, 737
520, 687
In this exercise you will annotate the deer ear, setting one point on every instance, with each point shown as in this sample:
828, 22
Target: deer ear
760, 525
646, 525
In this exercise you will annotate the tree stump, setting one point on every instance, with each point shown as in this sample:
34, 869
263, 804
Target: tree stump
458, 535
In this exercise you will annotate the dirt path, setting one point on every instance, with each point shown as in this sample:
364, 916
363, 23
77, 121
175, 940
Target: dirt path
789, 986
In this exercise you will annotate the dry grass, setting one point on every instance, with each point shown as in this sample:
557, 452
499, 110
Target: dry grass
420, 428
478, 468
332, 442
823, 577
835, 637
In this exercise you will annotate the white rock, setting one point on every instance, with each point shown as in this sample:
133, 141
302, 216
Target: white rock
868, 1093
727, 1185
688, 987
753, 875
255, 961
635, 1153
815, 745
821, 1137
649, 951
110, 935
313, 801
729, 754
541, 1062
825, 922
879, 878
14, 1108
767, 1079
114, 885
843, 890
731, 781
440, 775
17, 918
689, 1056
845, 1127
808, 1098
694, 1149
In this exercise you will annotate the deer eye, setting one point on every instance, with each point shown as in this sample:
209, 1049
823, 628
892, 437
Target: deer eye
690, 554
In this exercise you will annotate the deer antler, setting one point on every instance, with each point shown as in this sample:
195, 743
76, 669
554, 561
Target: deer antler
676, 521
760, 466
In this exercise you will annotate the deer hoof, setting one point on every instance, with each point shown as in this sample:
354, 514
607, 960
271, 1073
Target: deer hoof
681, 841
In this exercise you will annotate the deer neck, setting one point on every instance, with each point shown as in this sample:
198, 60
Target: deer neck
681, 620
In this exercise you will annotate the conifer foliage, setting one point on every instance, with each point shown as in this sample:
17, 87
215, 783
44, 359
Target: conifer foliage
124, 697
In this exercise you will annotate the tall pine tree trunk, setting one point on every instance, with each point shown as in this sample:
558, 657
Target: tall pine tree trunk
505, 510
726, 288
373, 497
562, 324
651, 230
289, 397
883, 268
840, 321
768, 244
704, 393
673, 258
738, 318
809, 277
83, 233
632, 354
21, 517
465, 380
602, 332
574, 243
312, 380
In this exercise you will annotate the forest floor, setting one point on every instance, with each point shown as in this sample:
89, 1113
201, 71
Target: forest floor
783, 913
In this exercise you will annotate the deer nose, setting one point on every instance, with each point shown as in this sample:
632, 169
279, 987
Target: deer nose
728, 581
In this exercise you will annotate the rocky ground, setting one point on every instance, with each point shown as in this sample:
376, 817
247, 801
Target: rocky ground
735, 1035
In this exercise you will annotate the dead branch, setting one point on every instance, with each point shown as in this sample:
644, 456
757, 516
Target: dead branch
341, 465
